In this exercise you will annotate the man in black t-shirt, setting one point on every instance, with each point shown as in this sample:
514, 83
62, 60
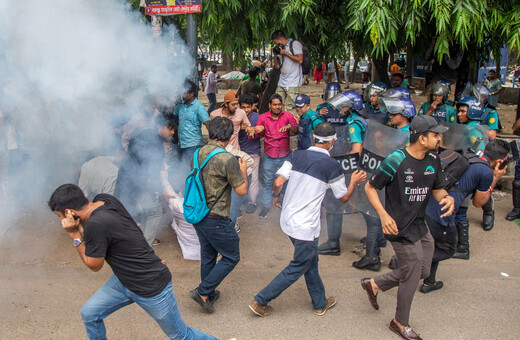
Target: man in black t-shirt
103, 230
410, 176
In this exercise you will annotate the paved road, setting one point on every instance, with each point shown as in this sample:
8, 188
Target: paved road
43, 285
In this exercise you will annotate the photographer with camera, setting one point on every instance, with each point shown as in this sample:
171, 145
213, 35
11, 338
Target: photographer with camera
288, 57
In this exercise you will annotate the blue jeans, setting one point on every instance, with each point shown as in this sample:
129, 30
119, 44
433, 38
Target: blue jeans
271, 166
212, 97
187, 153
162, 307
305, 262
216, 235
374, 234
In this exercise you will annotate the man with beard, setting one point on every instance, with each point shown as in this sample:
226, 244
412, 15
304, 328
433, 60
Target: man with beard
103, 230
238, 116
192, 115
410, 176
275, 126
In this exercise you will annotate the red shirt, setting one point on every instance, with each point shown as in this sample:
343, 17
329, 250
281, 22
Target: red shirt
276, 144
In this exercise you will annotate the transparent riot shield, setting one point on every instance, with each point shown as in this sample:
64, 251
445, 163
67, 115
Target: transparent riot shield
464, 136
380, 141
342, 144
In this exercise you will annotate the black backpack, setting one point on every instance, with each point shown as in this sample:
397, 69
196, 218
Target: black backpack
306, 64
319, 67
455, 163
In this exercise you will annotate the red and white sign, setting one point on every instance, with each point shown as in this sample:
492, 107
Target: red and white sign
170, 7
169, 10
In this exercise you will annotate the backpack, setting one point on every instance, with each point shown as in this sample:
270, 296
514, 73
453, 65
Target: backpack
306, 64
319, 67
455, 163
195, 206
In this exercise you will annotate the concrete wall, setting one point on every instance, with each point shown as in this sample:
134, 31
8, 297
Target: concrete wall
508, 95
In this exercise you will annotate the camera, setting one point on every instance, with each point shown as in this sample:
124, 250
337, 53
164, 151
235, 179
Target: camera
277, 49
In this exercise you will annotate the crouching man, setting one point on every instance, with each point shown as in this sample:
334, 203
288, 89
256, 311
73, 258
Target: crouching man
103, 230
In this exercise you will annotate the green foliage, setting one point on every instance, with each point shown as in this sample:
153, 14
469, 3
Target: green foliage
373, 27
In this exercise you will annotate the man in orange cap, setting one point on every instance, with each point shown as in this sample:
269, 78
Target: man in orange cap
238, 116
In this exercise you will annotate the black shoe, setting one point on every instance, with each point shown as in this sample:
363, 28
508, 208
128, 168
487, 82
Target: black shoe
207, 305
370, 263
488, 220
513, 214
463, 255
429, 288
393, 264
251, 208
263, 213
381, 244
215, 296
329, 248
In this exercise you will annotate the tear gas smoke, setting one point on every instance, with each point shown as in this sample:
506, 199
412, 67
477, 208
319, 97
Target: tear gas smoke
70, 73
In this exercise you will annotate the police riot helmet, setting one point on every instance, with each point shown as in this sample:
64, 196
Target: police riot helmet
350, 99
397, 105
396, 92
440, 89
480, 92
474, 107
331, 90
374, 88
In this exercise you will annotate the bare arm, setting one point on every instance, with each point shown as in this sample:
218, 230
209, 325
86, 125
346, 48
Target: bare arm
480, 198
387, 222
358, 176
241, 190
447, 202
72, 227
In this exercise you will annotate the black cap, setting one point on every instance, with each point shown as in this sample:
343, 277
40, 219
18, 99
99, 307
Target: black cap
425, 123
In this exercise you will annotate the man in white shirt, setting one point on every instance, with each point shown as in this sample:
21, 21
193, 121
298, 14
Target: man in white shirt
289, 60
310, 173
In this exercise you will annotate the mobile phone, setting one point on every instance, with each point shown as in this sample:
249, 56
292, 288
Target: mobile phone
505, 163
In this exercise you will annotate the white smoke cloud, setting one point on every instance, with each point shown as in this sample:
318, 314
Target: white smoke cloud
70, 71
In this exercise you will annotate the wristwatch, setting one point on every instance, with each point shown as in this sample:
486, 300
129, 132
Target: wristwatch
77, 241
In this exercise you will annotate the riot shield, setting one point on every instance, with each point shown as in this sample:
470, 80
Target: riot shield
342, 144
380, 141
464, 136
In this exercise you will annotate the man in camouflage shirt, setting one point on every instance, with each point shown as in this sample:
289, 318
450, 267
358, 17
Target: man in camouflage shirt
216, 232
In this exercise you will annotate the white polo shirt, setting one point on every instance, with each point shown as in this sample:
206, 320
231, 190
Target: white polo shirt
309, 173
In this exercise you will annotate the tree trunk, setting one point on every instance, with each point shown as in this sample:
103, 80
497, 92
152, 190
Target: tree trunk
410, 63
354, 71
381, 65
270, 89
227, 60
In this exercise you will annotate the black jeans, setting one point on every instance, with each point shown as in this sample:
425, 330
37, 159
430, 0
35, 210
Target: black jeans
445, 238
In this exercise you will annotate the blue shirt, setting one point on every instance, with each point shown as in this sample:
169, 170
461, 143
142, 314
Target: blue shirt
191, 118
306, 124
477, 176
251, 146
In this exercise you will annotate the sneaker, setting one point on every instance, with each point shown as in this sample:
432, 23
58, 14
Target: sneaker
260, 310
251, 208
331, 302
264, 212
206, 305
156, 242
429, 288
237, 227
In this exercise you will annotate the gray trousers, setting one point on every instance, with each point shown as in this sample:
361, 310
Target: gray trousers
414, 260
